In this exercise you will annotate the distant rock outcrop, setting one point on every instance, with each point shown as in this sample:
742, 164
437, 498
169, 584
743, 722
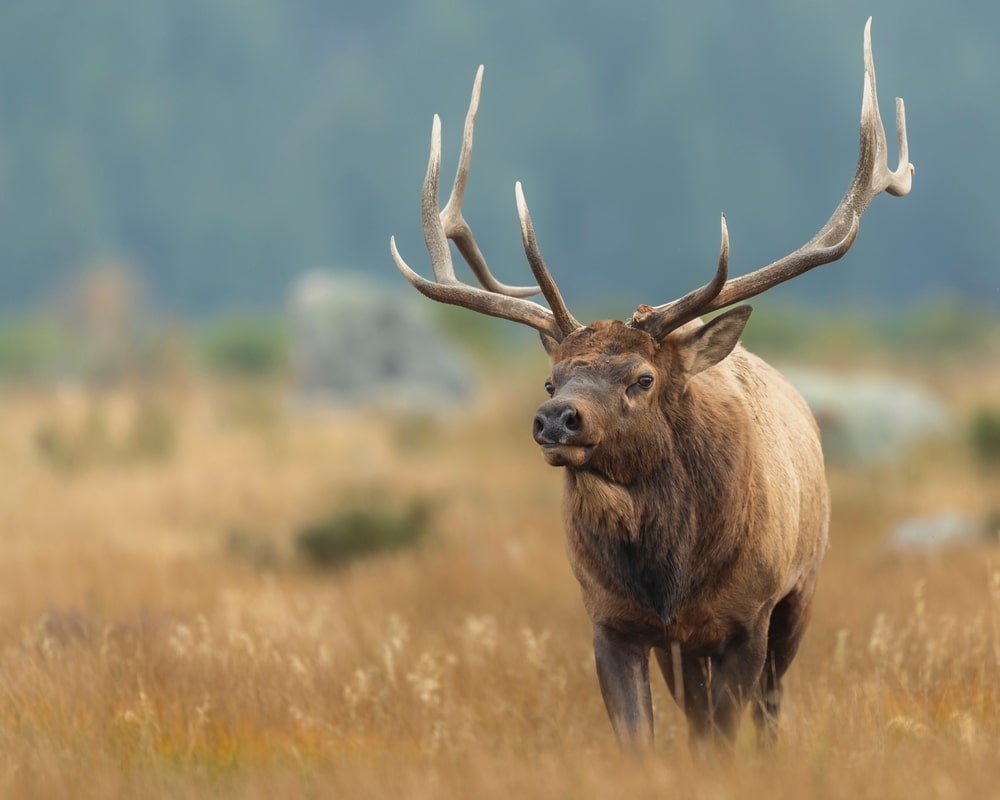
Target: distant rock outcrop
869, 419
358, 343
938, 532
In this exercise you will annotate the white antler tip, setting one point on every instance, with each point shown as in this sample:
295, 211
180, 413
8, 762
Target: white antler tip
522, 205
401, 265
435, 157
869, 61
477, 87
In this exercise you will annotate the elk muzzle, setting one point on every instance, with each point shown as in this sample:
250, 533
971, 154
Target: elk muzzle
560, 429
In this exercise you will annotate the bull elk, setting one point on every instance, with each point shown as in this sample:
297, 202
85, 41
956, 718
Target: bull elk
696, 506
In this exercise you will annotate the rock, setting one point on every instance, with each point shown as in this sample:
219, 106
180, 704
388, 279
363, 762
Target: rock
359, 343
870, 419
936, 532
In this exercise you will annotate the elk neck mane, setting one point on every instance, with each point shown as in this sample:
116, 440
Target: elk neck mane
678, 528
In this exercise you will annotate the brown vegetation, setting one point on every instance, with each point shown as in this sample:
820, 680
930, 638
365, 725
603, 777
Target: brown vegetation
140, 655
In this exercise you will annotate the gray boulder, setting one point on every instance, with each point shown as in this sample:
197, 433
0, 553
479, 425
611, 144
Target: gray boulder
937, 532
867, 419
358, 343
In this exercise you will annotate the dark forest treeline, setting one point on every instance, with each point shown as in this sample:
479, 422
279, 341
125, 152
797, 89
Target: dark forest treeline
221, 148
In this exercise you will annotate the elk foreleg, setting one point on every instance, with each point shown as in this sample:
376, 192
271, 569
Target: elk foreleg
716, 688
623, 673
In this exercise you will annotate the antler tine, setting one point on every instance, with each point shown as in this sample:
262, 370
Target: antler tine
473, 298
550, 291
658, 323
446, 288
454, 224
434, 233
896, 182
833, 240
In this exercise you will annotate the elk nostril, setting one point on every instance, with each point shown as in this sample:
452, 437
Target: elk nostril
538, 427
570, 419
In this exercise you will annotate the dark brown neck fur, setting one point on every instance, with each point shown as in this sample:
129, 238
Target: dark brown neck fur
666, 527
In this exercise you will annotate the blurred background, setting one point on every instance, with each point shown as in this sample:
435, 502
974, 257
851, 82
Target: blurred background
214, 151
264, 510
196, 191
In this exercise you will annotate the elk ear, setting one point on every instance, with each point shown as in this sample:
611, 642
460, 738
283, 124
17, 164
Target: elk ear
549, 343
712, 342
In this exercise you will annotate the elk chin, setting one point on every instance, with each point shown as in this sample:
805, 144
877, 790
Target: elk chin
567, 455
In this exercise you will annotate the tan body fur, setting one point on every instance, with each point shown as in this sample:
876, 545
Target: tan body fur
701, 509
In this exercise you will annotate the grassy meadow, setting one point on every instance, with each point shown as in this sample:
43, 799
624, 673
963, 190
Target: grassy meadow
162, 636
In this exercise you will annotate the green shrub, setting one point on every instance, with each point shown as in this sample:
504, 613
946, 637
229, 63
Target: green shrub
944, 326
360, 529
984, 433
32, 347
245, 346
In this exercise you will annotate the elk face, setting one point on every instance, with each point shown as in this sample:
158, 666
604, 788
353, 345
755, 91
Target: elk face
603, 382
612, 388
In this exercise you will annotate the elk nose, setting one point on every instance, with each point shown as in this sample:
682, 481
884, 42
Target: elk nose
555, 422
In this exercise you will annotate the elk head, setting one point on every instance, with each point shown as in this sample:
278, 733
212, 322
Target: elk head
609, 373
611, 382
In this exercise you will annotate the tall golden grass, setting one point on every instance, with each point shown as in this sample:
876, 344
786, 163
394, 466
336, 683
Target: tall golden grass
141, 655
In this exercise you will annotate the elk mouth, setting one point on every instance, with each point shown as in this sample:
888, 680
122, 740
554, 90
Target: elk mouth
567, 455
559, 429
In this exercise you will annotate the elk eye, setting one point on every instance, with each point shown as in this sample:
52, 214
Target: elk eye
549, 388
645, 381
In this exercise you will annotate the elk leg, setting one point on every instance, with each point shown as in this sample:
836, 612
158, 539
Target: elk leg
688, 679
717, 687
737, 674
690, 686
785, 630
623, 674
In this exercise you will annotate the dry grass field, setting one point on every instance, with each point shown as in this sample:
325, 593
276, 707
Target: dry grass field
160, 637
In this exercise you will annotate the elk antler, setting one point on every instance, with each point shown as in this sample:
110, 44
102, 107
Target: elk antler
834, 239
495, 299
